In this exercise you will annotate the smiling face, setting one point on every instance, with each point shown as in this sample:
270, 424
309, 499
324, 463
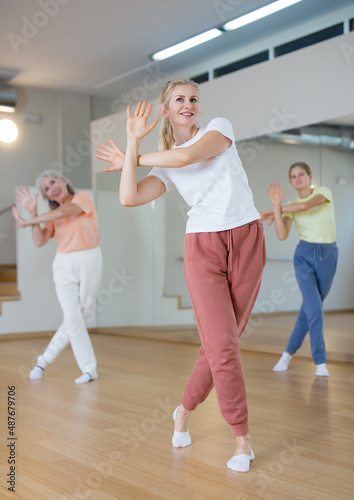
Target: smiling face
55, 189
299, 178
183, 107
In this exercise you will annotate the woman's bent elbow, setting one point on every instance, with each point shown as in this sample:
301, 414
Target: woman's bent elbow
125, 202
39, 244
186, 158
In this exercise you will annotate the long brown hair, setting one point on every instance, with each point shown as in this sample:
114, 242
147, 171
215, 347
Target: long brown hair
167, 139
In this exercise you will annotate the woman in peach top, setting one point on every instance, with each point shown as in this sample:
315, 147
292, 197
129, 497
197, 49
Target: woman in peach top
77, 266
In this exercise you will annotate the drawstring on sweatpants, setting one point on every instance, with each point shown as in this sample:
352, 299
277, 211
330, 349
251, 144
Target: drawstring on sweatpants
229, 247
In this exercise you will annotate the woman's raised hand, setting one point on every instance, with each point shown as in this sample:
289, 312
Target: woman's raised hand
137, 127
113, 154
275, 194
25, 199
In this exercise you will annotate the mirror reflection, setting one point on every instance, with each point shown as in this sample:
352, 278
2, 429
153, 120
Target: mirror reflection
329, 150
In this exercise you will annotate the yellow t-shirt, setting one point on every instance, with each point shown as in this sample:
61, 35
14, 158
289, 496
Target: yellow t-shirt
78, 232
317, 224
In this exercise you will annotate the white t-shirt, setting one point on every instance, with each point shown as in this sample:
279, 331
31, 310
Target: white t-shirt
216, 189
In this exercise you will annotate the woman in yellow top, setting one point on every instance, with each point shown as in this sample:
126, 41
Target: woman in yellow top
77, 266
315, 258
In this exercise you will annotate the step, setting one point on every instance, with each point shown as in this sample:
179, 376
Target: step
8, 289
8, 273
8, 284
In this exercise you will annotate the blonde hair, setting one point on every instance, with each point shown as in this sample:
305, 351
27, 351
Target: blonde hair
167, 139
52, 173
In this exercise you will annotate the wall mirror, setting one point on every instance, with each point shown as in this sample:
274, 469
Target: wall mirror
143, 282
329, 150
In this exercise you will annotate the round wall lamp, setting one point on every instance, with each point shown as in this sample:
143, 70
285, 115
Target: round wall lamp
8, 131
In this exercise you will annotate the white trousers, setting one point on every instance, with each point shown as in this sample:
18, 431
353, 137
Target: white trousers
77, 277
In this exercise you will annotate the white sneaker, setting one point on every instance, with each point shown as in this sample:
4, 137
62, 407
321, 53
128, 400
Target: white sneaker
37, 371
283, 363
322, 371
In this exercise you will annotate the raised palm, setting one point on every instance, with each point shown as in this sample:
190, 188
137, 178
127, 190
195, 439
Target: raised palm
25, 199
275, 194
112, 154
136, 127
137, 124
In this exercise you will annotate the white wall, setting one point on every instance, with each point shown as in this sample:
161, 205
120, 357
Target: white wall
310, 85
7, 234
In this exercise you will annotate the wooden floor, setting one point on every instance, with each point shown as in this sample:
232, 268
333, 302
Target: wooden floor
111, 439
270, 333
264, 333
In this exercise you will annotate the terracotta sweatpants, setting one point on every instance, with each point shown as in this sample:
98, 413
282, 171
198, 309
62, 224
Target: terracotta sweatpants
223, 271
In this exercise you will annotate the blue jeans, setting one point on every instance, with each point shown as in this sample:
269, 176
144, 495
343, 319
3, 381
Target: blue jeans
315, 266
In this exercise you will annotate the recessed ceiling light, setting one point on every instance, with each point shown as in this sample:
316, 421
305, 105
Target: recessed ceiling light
186, 45
258, 14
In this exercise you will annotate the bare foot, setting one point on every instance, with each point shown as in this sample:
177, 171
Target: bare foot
240, 462
181, 437
243, 445
181, 419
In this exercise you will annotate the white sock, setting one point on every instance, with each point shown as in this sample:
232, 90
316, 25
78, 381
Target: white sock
86, 377
283, 363
37, 371
180, 439
240, 463
322, 371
